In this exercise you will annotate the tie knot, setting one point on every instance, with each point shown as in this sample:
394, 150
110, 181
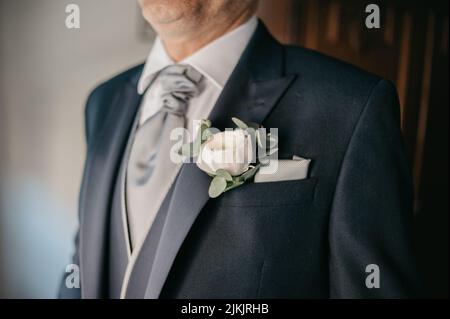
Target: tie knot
179, 83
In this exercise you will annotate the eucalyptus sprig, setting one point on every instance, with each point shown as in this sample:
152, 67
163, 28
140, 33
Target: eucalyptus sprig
222, 180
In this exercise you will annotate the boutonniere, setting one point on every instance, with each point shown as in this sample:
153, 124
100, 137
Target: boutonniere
231, 157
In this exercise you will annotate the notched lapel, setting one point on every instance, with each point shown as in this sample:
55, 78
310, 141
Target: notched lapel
266, 95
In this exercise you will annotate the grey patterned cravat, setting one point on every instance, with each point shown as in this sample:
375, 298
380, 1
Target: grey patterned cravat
150, 170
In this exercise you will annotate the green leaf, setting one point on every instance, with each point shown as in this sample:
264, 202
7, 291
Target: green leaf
206, 122
250, 173
273, 142
261, 139
217, 186
233, 184
199, 139
253, 125
201, 135
239, 123
206, 134
223, 173
186, 150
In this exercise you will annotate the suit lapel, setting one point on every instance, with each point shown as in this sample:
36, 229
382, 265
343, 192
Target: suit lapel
254, 88
100, 174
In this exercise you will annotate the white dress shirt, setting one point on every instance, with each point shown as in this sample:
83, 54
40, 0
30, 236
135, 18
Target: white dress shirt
215, 61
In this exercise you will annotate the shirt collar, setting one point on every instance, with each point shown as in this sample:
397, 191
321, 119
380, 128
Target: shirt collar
215, 61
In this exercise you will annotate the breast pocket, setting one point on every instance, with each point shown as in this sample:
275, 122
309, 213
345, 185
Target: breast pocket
270, 194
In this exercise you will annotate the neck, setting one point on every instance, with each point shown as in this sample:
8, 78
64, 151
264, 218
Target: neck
179, 48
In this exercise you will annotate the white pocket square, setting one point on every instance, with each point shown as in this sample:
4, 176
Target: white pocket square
283, 170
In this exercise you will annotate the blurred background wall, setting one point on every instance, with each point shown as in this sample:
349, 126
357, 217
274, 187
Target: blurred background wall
46, 72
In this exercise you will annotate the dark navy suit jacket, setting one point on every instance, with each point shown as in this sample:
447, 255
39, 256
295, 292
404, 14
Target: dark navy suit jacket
310, 238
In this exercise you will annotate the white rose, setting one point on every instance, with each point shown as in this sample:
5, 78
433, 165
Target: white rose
230, 150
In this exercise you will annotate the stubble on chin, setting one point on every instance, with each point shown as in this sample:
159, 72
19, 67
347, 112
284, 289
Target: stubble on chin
164, 12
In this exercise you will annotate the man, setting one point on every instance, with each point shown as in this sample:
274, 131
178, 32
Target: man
147, 226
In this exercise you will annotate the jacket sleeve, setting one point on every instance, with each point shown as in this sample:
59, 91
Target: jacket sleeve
371, 215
